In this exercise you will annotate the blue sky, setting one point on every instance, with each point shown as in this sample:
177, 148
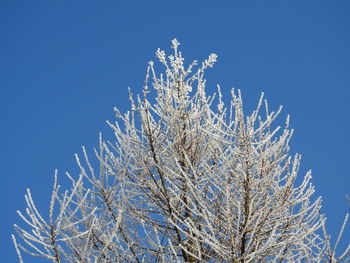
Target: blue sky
65, 64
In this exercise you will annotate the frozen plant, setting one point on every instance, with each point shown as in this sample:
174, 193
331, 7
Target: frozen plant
186, 179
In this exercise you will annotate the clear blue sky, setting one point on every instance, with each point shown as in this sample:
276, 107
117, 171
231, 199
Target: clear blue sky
65, 64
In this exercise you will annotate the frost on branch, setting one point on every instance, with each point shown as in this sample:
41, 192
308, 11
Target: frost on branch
186, 179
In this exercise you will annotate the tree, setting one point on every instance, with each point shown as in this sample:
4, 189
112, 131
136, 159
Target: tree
184, 181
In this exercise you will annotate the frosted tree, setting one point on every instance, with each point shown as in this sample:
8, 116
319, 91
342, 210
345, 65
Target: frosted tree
186, 179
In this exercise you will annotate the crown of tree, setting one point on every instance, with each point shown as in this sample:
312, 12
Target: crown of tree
186, 179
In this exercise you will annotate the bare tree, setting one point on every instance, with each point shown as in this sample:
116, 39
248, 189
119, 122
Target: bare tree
184, 181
